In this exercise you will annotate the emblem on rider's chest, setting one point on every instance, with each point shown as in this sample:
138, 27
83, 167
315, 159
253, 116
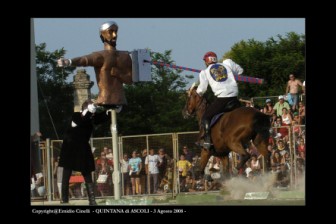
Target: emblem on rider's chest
218, 73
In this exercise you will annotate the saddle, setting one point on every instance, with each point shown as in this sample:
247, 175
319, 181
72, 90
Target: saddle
215, 119
232, 105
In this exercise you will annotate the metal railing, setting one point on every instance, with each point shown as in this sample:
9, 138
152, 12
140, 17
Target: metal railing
171, 142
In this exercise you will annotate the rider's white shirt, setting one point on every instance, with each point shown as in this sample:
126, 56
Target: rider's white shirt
221, 81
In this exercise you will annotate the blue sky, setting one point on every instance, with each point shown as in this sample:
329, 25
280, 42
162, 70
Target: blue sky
188, 39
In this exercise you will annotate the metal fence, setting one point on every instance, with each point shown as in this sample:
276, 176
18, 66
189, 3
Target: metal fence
261, 101
172, 143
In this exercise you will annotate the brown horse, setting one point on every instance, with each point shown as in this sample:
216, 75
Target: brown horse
232, 131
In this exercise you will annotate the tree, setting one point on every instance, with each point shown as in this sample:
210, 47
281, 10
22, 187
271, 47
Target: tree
55, 96
272, 60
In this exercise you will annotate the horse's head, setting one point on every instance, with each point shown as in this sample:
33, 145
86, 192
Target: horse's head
193, 102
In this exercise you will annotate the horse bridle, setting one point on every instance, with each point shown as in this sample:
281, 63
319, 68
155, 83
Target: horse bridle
196, 108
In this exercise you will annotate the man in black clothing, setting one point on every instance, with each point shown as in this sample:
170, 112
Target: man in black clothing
76, 151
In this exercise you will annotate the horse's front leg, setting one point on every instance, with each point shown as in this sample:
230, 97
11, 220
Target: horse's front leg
244, 156
243, 160
205, 155
225, 164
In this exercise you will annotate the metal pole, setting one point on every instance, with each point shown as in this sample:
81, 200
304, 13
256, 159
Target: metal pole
148, 174
175, 152
49, 175
121, 152
116, 171
34, 106
263, 164
93, 172
291, 151
52, 170
293, 164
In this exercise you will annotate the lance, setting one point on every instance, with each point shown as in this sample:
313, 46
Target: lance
240, 78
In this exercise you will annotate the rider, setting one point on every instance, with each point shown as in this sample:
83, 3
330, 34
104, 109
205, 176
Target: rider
220, 76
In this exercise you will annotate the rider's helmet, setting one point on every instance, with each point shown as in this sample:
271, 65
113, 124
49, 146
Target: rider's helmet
210, 57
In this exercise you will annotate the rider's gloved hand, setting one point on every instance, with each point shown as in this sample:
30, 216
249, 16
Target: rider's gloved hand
92, 108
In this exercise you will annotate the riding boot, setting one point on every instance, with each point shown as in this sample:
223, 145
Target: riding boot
207, 139
65, 193
90, 191
200, 137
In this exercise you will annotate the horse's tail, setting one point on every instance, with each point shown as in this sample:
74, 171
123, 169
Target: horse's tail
262, 125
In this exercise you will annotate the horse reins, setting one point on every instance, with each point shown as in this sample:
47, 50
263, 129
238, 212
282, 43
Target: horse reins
203, 101
202, 104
